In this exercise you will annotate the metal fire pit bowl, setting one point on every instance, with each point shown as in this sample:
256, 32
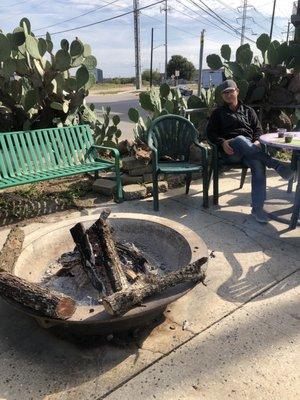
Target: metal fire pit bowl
173, 244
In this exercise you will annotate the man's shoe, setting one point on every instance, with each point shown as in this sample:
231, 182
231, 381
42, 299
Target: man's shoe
284, 171
260, 215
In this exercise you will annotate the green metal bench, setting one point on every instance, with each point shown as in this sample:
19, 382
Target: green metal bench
33, 156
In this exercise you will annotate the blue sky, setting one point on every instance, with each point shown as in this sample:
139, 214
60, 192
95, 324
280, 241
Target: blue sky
112, 42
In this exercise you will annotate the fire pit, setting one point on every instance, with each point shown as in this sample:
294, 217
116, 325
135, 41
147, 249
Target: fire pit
167, 244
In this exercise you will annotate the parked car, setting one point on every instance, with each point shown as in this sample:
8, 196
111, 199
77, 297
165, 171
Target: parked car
184, 90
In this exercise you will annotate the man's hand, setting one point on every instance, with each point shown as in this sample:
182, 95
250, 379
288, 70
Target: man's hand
257, 143
226, 147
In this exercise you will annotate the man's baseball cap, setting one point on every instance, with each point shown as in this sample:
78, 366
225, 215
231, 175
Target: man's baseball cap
229, 84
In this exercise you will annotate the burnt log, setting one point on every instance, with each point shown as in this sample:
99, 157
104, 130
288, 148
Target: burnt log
121, 302
92, 260
139, 262
35, 299
11, 249
100, 234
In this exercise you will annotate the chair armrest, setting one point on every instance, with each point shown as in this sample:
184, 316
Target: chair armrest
154, 155
204, 151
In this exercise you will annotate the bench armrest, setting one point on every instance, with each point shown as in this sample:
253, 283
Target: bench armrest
115, 152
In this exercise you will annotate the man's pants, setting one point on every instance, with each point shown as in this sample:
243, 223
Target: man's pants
252, 156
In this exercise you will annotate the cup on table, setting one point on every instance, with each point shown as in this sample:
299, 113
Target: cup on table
281, 132
288, 137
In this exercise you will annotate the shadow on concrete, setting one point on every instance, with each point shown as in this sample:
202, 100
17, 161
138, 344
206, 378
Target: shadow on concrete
235, 349
35, 363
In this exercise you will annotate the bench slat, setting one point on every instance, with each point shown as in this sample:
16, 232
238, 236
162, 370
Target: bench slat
66, 146
3, 169
16, 142
31, 151
71, 145
78, 136
6, 157
87, 144
57, 148
37, 148
50, 149
25, 151
14, 159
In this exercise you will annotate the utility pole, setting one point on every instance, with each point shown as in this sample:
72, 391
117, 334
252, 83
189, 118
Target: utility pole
166, 9
288, 32
272, 21
200, 61
151, 57
244, 18
295, 19
137, 45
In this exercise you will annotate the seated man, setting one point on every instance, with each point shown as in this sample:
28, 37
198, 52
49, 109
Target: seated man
235, 128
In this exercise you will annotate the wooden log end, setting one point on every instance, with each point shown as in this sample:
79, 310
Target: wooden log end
65, 308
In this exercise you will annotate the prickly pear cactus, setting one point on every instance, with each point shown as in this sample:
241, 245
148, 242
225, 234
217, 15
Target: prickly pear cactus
266, 82
42, 87
156, 102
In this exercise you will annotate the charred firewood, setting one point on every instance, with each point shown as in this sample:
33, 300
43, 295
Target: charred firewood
34, 299
121, 302
11, 249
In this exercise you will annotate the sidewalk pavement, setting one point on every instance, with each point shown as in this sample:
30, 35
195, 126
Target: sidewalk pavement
237, 337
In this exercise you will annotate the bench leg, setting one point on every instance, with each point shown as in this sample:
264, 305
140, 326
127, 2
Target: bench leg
155, 191
119, 189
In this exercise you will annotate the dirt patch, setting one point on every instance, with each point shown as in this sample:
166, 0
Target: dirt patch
30, 201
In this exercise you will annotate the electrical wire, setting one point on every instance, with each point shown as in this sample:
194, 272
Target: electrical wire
225, 29
219, 19
78, 16
107, 19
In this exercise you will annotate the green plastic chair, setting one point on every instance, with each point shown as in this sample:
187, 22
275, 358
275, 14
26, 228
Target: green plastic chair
171, 137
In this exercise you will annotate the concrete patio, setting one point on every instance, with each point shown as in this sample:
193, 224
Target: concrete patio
238, 337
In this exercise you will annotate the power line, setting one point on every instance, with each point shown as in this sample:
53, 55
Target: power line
15, 4
78, 16
216, 17
106, 20
202, 18
219, 19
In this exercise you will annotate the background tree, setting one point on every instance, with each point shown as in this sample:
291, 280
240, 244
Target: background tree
155, 75
182, 64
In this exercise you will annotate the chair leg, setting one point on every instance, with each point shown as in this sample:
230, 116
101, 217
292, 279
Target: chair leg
205, 179
188, 179
290, 185
216, 184
155, 191
243, 177
296, 208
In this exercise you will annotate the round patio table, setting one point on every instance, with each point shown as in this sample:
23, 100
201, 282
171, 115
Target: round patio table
272, 140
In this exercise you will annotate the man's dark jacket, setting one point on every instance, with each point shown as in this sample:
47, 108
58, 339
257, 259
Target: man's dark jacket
227, 124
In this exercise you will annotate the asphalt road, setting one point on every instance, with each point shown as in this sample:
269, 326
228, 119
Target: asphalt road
120, 104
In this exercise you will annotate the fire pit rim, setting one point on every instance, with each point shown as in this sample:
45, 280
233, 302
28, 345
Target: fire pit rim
198, 249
